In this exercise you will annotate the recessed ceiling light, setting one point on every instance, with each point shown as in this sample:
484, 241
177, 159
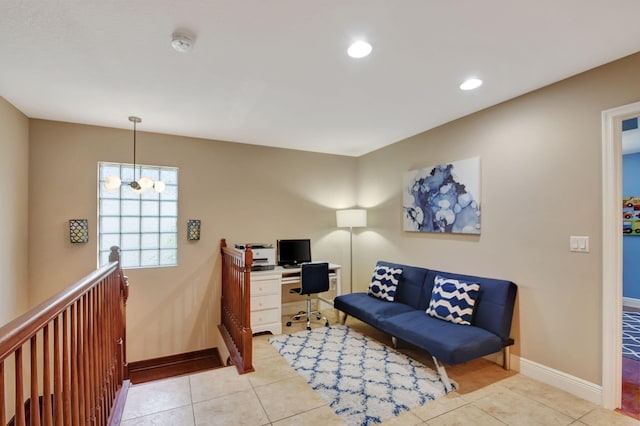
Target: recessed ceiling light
359, 49
470, 84
181, 42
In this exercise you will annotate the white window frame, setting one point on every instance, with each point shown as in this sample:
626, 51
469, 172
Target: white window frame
144, 226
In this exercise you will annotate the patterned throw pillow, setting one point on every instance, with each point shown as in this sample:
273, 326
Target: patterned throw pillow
453, 300
385, 282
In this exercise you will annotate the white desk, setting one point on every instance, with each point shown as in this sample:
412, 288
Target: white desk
269, 301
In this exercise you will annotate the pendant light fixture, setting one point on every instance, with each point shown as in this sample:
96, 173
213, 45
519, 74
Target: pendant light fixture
112, 183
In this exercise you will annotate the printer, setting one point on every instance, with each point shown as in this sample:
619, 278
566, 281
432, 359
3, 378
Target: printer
264, 255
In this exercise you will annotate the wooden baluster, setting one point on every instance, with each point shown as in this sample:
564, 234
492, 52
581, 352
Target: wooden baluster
122, 306
106, 320
100, 351
89, 359
106, 347
112, 338
47, 419
93, 356
86, 394
57, 375
66, 375
3, 409
35, 394
246, 309
102, 320
74, 366
19, 416
82, 364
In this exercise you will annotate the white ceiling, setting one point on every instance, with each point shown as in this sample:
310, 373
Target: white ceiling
276, 73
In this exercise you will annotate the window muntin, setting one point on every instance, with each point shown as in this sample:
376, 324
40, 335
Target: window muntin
144, 226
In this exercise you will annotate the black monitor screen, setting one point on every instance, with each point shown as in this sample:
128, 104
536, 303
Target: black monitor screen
293, 252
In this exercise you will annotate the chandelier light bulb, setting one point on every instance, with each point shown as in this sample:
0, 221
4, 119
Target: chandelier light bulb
111, 183
145, 182
159, 186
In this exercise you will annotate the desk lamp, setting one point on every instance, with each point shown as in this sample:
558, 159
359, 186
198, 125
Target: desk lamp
351, 218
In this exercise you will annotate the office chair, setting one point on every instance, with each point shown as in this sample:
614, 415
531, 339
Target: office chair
314, 278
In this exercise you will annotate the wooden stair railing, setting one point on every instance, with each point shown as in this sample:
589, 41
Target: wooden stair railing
235, 321
75, 341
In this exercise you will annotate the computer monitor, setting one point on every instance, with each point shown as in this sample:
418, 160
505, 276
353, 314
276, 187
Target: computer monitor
291, 253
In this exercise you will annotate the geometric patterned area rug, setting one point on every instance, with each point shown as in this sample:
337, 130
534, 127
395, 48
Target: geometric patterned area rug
363, 381
631, 335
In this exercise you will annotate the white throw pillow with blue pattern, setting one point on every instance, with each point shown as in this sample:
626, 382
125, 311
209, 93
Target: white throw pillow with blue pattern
453, 300
384, 282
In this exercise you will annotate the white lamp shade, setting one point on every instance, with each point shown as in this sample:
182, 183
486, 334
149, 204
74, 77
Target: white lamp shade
351, 218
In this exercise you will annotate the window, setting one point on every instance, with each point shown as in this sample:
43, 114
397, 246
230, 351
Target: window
144, 226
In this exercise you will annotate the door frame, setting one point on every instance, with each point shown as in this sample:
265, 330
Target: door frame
612, 252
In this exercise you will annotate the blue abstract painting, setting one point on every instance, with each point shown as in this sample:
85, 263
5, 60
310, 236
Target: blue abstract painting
443, 198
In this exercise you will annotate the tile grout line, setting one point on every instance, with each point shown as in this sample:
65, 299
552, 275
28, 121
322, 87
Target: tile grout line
193, 411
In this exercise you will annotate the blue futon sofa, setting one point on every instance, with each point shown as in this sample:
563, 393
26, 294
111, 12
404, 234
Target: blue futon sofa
401, 302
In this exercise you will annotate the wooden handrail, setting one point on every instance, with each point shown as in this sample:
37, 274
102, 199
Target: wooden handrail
13, 334
235, 301
76, 342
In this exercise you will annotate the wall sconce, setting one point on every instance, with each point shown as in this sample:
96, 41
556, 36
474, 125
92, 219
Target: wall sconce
193, 229
78, 231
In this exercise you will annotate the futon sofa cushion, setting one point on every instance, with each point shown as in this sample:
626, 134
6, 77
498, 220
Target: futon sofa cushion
410, 285
449, 342
369, 309
494, 305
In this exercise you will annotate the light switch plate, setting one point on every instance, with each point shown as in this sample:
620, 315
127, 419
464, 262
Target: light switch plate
579, 244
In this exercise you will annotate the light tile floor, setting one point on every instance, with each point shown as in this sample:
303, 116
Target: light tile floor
276, 395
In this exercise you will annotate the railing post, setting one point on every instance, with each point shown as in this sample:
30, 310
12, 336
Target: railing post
123, 366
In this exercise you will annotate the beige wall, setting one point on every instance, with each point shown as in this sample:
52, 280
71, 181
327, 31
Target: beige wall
540, 161
14, 178
242, 192
540, 183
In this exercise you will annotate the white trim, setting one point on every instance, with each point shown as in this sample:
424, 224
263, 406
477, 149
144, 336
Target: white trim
631, 302
612, 252
568, 383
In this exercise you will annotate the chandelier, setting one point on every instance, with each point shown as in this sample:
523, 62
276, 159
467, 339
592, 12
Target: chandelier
112, 183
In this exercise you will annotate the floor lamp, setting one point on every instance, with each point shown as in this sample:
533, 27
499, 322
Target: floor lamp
351, 218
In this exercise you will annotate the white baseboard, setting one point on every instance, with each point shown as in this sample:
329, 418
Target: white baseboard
631, 302
566, 382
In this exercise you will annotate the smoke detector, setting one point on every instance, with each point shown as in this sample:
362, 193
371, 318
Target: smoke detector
181, 42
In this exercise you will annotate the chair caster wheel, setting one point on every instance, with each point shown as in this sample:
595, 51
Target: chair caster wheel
289, 324
308, 328
326, 324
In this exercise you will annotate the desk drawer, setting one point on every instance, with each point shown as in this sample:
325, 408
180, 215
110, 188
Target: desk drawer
265, 316
259, 287
265, 302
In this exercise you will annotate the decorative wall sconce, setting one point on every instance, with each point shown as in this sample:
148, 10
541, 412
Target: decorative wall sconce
193, 229
78, 230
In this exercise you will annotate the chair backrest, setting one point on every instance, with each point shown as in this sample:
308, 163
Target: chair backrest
314, 278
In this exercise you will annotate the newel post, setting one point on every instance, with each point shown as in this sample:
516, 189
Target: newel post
114, 256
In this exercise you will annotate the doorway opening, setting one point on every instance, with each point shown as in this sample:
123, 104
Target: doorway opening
612, 252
